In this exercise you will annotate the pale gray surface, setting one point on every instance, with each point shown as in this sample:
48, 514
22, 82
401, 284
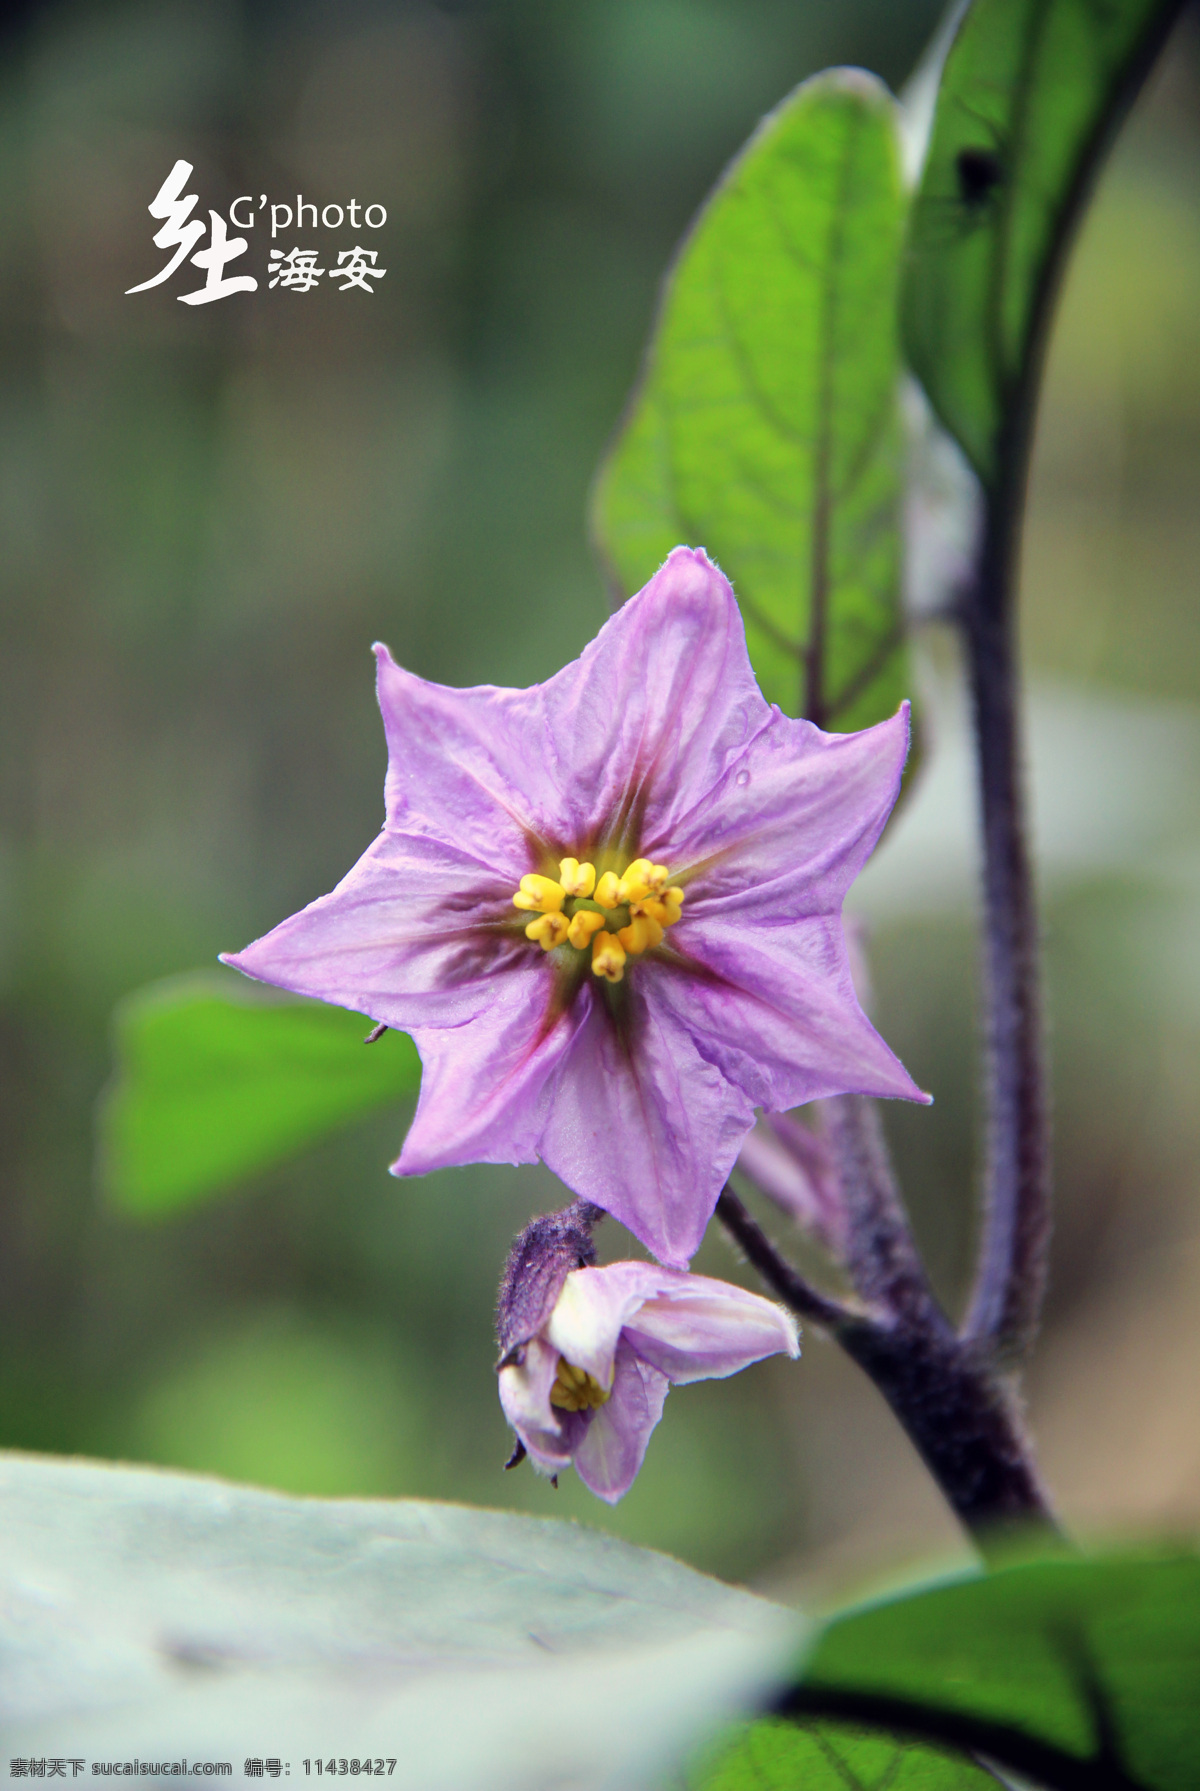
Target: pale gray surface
153, 1615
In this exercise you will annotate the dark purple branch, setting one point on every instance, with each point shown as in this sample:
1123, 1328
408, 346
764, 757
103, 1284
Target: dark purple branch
785, 1282
1011, 1279
959, 1415
963, 1420
880, 1252
949, 1391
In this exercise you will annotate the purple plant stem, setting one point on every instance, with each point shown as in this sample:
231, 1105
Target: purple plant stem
961, 1416
952, 1392
1011, 1278
1010, 1284
785, 1281
881, 1254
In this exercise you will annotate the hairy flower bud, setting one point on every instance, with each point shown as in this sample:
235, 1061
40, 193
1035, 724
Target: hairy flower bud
539, 1262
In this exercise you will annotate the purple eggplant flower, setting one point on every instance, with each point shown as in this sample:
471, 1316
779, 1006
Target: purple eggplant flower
608, 910
589, 1387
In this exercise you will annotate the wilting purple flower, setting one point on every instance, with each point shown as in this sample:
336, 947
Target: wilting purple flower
608, 910
589, 1387
794, 1167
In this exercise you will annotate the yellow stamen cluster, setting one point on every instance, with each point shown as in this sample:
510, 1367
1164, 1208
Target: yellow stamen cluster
579, 909
575, 1390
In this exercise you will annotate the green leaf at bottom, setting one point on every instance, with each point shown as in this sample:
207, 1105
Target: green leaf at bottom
1097, 1661
1076, 1674
827, 1756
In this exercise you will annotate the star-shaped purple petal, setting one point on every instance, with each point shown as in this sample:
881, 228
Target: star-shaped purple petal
656, 743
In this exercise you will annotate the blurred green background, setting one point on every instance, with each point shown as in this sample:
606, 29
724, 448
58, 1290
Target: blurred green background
209, 513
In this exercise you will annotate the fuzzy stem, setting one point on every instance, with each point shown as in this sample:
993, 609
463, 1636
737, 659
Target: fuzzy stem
964, 1422
785, 1282
959, 1414
881, 1253
1011, 1278
948, 1390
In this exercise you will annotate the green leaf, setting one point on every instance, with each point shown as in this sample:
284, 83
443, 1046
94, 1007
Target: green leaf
765, 428
217, 1080
1075, 1673
187, 1618
1030, 93
825, 1756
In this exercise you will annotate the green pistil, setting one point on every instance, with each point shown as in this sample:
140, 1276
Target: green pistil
613, 917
